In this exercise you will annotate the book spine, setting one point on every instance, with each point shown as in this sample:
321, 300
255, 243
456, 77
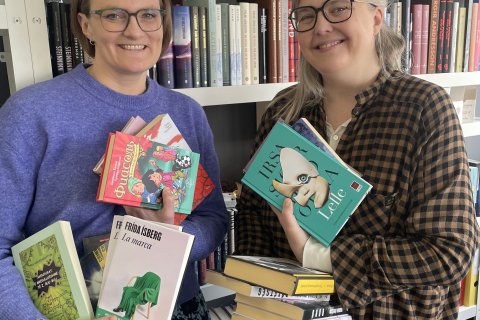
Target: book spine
204, 60
165, 74
245, 31
218, 39
417, 37
195, 34
468, 32
447, 41
182, 50
432, 42
55, 36
238, 45
441, 35
476, 66
424, 41
291, 47
67, 45
225, 32
262, 46
406, 21
254, 63
232, 45
453, 50
473, 38
462, 17
283, 19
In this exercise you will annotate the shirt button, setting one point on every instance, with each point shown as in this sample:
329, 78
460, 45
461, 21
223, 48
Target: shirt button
356, 111
335, 137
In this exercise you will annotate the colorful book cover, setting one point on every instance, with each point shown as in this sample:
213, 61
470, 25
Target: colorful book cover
162, 129
137, 169
324, 192
49, 265
136, 281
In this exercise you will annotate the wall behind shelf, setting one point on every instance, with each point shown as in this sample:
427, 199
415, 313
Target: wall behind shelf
234, 129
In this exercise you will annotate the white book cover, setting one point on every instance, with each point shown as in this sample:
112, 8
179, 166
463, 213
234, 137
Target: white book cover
254, 58
245, 36
231, 28
144, 269
219, 45
238, 46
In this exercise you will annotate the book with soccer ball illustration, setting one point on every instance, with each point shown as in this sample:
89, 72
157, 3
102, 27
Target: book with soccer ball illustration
136, 170
323, 190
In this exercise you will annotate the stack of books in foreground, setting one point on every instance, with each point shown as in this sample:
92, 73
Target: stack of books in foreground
276, 288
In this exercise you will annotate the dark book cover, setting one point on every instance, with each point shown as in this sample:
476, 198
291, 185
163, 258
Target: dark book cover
93, 264
447, 41
195, 34
67, 45
55, 37
433, 36
165, 71
262, 45
182, 50
93, 242
441, 35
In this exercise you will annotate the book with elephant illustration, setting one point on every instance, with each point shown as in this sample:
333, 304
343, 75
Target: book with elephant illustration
324, 191
136, 170
137, 282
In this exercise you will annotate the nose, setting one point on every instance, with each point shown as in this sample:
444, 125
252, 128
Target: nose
322, 25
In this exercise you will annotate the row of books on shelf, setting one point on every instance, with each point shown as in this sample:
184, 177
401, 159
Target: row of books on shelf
441, 35
277, 288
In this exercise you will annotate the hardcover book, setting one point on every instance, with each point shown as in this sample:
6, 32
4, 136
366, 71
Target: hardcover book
182, 50
137, 280
137, 169
49, 265
282, 275
252, 290
324, 192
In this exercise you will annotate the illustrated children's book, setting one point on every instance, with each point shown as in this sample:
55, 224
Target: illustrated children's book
49, 264
279, 274
136, 171
146, 262
162, 129
133, 126
324, 192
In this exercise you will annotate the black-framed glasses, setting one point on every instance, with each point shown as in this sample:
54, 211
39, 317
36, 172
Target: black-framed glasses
117, 20
335, 11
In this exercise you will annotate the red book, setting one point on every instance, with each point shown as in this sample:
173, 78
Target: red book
424, 42
432, 42
137, 169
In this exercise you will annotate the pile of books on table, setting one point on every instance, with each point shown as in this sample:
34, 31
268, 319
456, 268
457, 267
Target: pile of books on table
275, 288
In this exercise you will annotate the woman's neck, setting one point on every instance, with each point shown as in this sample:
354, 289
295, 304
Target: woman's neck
133, 84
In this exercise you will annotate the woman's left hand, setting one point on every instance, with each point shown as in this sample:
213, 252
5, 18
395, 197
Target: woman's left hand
165, 215
296, 236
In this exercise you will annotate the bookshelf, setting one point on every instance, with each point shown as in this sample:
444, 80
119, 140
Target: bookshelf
24, 31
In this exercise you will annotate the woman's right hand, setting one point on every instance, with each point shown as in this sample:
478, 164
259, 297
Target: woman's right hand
165, 215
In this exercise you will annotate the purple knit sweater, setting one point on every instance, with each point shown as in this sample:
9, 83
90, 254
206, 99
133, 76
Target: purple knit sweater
51, 136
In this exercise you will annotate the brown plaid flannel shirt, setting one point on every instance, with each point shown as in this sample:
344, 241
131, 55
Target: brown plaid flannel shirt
405, 250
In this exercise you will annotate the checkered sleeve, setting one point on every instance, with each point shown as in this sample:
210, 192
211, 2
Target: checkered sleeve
439, 228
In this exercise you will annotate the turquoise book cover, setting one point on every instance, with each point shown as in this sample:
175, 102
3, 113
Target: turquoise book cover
324, 192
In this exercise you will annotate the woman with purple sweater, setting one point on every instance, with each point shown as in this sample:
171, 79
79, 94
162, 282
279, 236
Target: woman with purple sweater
53, 133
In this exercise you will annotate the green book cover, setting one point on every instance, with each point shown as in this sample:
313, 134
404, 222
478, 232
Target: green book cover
49, 265
324, 192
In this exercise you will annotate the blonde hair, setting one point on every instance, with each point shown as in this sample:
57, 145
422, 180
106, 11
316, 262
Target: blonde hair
309, 90
83, 6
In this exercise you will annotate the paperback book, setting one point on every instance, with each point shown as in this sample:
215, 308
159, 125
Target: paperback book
49, 264
93, 265
279, 274
145, 265
324, 192
136, 170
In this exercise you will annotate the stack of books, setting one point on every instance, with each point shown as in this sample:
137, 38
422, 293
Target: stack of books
276, 288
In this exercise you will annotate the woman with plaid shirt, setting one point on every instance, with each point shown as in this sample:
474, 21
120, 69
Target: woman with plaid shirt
405, 250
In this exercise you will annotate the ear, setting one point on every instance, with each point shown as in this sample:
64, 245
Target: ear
378, 19
85, 25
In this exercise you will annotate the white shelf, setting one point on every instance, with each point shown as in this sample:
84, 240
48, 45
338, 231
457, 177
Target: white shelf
471, 129
3, 17
449, 80
210, 96
465, 313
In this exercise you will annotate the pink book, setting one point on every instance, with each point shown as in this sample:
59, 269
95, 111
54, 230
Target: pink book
424, 41
476, 64
473, 38
416, 38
